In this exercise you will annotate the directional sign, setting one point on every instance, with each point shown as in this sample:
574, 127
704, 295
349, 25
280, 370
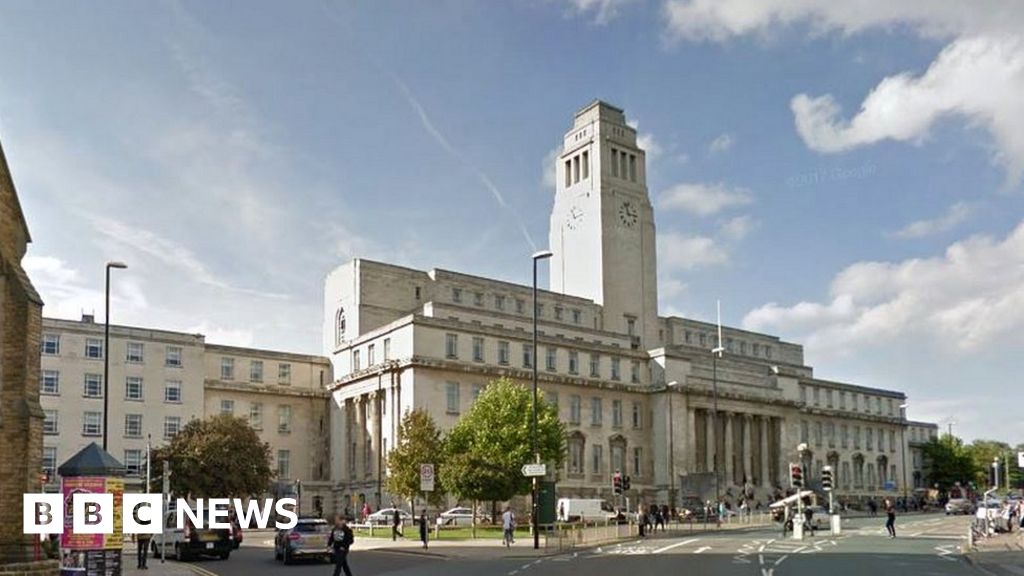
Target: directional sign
426, 477
530, 470
1020, 459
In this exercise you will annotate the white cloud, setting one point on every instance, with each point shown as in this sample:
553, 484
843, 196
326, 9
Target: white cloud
980, 78
721, 144
956, 214
646, 142
963, 300
604, 11
68, 294
720, 20
684, 252
220, 335
704, 199
738, 228
549, 176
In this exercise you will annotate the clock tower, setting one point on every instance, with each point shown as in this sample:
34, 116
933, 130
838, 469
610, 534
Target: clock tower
602, 224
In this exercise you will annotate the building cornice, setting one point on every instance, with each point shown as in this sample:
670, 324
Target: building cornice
264, 389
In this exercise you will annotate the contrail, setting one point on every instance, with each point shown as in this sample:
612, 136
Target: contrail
429, 126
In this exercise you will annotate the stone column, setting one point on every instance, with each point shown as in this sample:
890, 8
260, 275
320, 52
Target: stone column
730, 449
766, 475
691, 441
747, 451
710, 441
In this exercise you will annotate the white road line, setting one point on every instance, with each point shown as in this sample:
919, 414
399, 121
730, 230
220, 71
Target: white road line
676, 545
779, 561
702, 549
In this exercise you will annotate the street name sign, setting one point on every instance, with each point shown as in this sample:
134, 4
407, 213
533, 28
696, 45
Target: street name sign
531, 470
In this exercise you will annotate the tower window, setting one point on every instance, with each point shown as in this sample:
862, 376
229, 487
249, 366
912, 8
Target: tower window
632, 167
576, 168
622, 162
586, 164
615, 162
568, 173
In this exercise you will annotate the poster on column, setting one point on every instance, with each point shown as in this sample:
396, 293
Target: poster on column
92, 554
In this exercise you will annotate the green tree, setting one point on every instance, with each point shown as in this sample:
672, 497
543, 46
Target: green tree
218, 457
486, 450
949, 462
419, 443
984, 452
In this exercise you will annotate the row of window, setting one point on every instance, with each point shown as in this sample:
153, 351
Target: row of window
731, 345
863, 474
284, 415
855, 403
576, 463
451, 351
92, 387
92, 421
227, 371
559, 313
922, 435
623, 165
371, 355
135, 462
825, 432
134, 351
577, 168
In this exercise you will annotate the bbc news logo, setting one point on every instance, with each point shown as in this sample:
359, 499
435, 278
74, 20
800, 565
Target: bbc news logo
93, 513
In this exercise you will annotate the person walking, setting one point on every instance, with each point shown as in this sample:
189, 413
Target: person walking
424, 528
508, 527
340, 541
809, 519
142, 550
396, 523
890, 522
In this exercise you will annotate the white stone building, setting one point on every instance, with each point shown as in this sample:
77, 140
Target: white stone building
401, 339
160, 380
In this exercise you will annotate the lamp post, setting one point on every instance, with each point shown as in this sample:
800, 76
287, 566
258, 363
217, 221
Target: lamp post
903, 450
671, 450
716, 353
537, 256
106, 349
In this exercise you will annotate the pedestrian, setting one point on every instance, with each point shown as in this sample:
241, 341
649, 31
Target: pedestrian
666, 516
424, 528
785, 520
366, 512
641, 521
142, 550
508, 527
339, 542
809, 518
561, 512
890, 522
396, 522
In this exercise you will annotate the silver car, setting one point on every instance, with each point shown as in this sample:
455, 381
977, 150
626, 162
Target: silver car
463, 517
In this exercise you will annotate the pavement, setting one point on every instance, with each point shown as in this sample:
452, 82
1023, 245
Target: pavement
999, 555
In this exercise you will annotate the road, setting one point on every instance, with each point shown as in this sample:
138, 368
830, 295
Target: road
925, 546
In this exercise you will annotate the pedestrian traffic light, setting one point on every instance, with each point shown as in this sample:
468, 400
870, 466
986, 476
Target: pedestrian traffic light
796, 475
625, 483
826, 478
617, 483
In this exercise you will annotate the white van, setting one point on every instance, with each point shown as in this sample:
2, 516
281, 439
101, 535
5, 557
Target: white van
582, 510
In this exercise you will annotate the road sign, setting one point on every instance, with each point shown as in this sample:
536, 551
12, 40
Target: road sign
426, 477
1020, 459
531, 470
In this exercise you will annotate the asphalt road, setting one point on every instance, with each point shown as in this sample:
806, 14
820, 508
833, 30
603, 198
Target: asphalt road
925, 546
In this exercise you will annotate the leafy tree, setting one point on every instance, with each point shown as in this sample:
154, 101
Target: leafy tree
218, 457
419, 443
488, 447
983, 452
949, 462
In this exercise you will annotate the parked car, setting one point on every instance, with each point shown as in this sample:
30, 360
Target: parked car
385, 516
959, 506
189, 542
462, 516
307, 539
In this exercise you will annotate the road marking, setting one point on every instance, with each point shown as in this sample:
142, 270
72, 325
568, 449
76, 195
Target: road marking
200, 571
702, 549
676, 545
767, 571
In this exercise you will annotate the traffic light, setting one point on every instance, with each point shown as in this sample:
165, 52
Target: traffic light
826, 478
617, 483
796, 475
625, 483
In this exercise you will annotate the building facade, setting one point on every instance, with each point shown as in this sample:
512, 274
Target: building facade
640, 393
918, 435
21, 418
160, 380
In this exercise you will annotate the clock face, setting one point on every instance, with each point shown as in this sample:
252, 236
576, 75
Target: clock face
574, 218
628, 214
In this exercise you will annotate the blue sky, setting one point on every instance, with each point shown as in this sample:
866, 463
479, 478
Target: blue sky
851, 180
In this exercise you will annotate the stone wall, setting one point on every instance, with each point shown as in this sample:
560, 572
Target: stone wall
21, 418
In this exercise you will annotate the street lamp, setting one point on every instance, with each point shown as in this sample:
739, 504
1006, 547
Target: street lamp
106, 349
716, 353
903, 450
671, 451
537, 257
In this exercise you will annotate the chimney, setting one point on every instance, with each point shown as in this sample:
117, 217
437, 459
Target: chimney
88, 318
